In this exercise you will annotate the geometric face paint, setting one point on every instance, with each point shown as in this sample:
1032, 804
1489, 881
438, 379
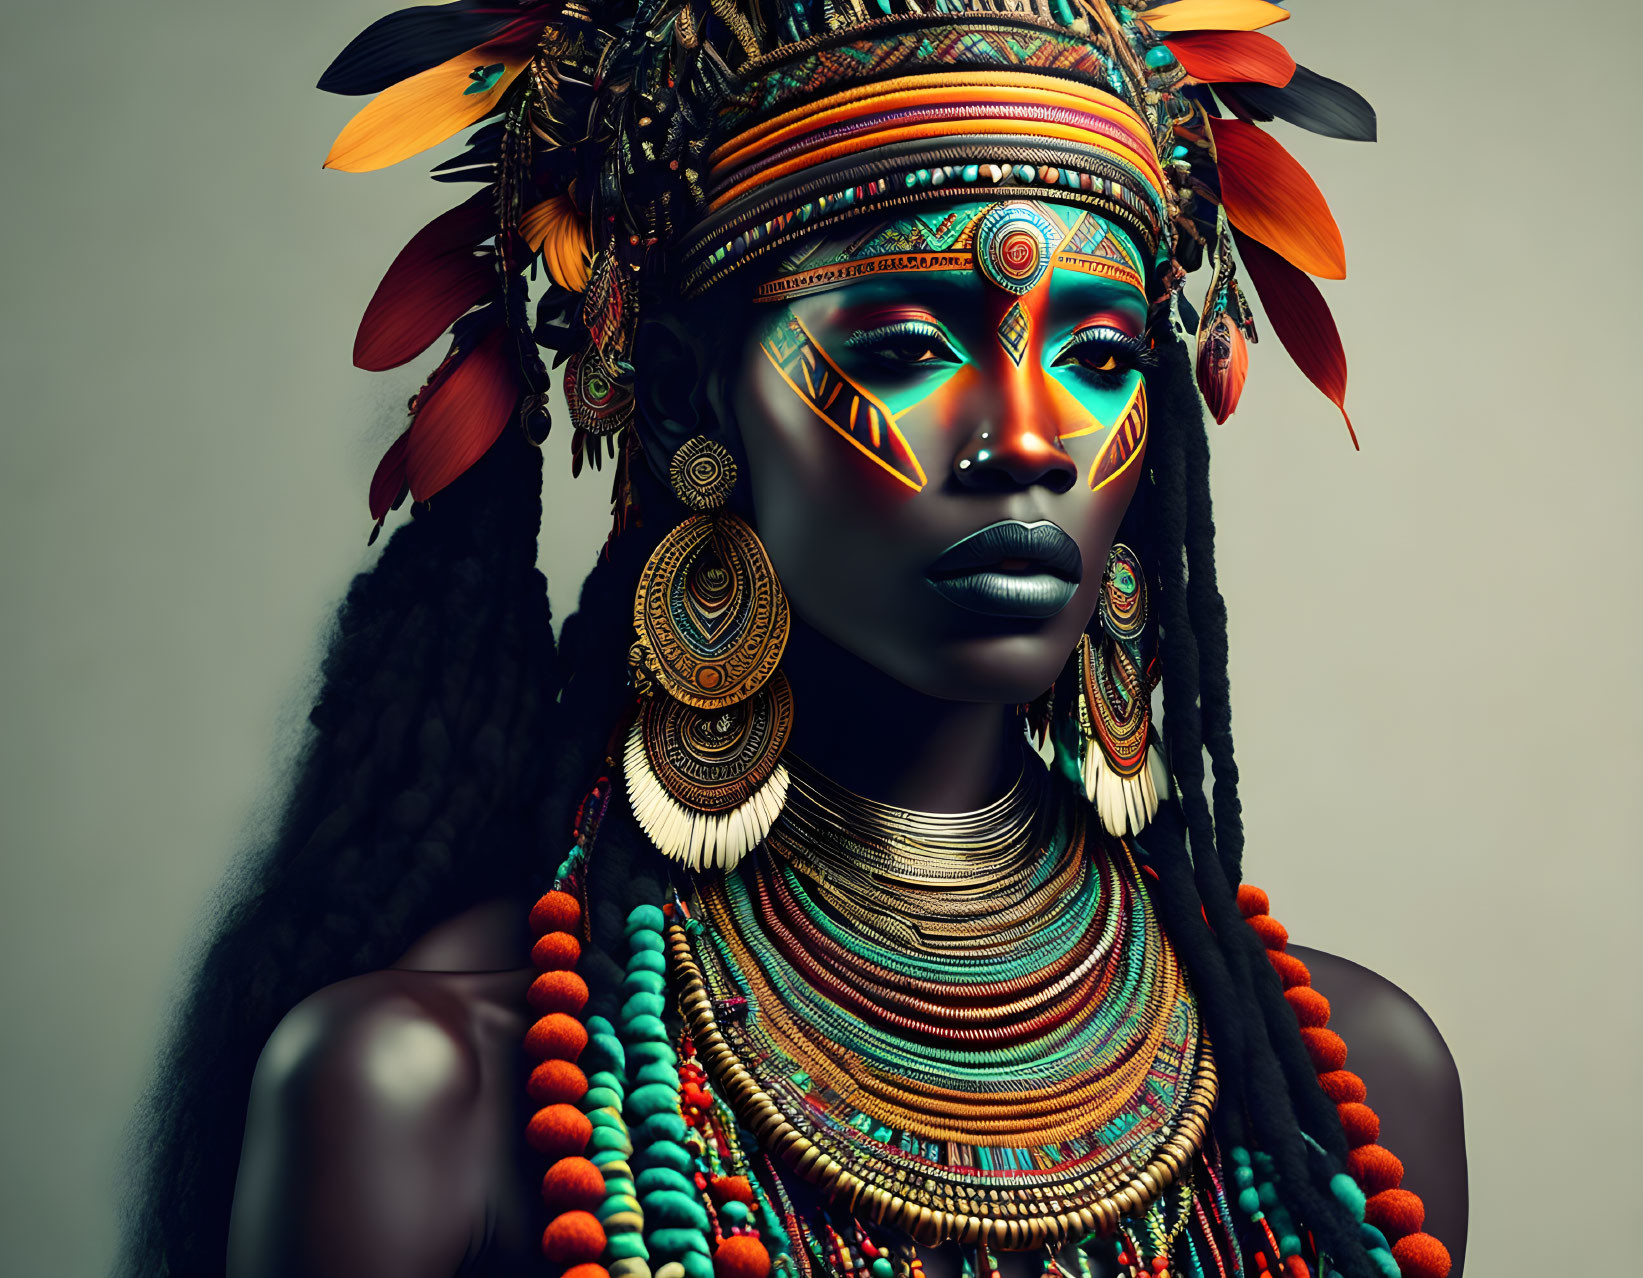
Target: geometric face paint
1013, 332
1123, 445
852, 410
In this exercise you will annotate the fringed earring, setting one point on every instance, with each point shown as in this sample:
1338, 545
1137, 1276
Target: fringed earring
1124, 774
703, 759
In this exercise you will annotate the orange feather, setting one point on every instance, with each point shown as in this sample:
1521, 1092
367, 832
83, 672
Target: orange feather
1241, 56
1301, 319
425, 110
556, 230
1270, 197
1213, 15
462, 416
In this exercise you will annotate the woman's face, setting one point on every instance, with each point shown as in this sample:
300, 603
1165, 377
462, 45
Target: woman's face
944, 419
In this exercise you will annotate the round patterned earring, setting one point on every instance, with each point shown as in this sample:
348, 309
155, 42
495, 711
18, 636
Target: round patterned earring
703, 759
1124, 773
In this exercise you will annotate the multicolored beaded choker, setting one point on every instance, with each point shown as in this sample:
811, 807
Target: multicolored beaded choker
964, 1028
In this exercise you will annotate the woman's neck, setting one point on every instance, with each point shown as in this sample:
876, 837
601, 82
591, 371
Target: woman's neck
886, 742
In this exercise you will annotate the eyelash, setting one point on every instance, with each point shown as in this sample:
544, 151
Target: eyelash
1128, 352
870, 340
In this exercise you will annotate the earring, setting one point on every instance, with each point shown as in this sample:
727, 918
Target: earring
1123, 771
703, 758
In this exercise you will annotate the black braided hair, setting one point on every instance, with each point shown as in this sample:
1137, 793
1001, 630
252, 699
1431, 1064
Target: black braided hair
1271, 1099
414, 797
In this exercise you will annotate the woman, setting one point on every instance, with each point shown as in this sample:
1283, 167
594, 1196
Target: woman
877, 315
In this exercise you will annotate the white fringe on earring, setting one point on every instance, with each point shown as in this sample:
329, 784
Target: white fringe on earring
698, 840
1124, 804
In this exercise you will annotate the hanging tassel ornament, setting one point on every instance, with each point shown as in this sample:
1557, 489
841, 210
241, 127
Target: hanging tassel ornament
1124, 774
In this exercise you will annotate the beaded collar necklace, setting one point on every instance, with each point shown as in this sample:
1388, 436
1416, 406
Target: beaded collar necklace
965, 1027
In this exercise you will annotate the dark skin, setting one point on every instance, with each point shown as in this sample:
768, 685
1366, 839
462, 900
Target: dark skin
384, 1135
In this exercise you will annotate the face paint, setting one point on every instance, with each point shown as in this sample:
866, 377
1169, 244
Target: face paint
1013, 332
1069, 331
1094, 248
850, 409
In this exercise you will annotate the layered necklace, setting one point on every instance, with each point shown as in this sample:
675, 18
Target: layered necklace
961, 1027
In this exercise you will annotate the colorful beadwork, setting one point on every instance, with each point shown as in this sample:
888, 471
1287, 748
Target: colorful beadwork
878, 1026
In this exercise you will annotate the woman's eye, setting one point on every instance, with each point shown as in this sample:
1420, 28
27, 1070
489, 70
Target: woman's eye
907, 343
1102, 350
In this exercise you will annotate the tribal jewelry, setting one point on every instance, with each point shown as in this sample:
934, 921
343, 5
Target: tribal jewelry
1029, 1069
1124, 774
647, 1165
703, 760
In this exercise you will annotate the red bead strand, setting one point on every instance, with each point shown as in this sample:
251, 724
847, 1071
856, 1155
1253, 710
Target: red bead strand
1396, 1212
572, 1187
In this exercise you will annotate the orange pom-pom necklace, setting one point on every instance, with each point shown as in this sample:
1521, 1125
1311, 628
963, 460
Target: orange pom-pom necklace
1391, 1215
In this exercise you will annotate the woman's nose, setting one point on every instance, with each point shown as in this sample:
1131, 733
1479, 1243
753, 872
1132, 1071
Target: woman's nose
1015, 454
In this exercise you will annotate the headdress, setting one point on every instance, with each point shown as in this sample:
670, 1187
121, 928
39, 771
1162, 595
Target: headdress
631, 147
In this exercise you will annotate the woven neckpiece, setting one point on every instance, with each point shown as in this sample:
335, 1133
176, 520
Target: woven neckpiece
997, 1047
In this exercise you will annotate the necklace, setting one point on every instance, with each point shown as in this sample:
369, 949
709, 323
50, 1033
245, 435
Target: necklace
963, 1026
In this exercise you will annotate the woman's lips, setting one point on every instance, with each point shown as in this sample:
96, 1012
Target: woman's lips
1010, 569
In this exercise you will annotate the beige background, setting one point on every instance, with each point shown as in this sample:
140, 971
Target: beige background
1434, 640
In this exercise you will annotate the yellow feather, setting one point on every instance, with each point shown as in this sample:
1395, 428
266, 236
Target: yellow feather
1213, 15
425, 110
555, 229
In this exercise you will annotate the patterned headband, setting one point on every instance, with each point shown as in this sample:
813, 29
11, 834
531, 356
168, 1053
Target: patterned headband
633, 147
920, 139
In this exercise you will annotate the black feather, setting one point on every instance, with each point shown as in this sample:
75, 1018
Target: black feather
410, 41
1189, 315
478, 160
1315, 102
1236, 100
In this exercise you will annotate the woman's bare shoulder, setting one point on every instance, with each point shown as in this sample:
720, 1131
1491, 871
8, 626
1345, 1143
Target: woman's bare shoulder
371, 1131
1412, 1081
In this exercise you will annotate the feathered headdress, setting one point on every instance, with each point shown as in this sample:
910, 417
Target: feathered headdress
626, 145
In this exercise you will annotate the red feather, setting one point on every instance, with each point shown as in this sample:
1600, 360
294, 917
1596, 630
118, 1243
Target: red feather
1245, 56
1301, 319
461, 417
388, 484
436, 278
1270, 197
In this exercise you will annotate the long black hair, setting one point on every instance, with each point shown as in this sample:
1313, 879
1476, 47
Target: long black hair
452, 741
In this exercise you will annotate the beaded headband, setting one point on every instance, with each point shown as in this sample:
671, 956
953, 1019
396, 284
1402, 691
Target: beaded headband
631, 148
919, 140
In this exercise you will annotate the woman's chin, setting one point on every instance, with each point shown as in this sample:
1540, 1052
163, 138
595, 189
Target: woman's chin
998, 668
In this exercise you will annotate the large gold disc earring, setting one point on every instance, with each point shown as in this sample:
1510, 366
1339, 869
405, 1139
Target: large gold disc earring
1124, 773
703, 759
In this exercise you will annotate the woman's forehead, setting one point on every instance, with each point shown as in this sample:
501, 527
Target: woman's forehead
1013, 245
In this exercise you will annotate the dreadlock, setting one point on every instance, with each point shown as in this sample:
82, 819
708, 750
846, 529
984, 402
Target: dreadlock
1278, 1105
